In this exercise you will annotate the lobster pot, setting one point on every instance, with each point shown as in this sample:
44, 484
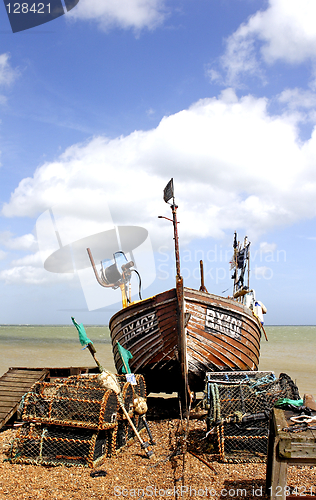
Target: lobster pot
239, 411
138, 421
71, 405
38, 444
123, 433
121, 436
140, 388
239, 443
128, 401
91, 380
245, 392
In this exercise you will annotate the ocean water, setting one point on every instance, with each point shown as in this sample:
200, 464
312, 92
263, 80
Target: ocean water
35, 346
290, 349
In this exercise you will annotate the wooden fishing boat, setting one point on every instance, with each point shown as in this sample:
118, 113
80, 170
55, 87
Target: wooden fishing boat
176, 336
219, 335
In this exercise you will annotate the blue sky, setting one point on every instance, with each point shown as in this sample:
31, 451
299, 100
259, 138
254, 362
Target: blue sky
102, 106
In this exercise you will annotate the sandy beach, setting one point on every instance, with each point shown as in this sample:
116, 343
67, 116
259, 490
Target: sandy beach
130, 474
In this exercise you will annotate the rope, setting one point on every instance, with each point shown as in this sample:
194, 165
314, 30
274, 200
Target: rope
40, 457
216, 402
267, 379
22, 402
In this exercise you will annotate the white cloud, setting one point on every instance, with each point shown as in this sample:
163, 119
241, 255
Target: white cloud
240, 58
7, 73
2, 255
31, 275
235, 166
263, 272
25, 242
301, 101
29, 260
298, 98
136, 14
285, 31
267, 247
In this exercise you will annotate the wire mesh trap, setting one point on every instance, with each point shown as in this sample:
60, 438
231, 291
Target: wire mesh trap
71, 405
52, 445
128, 401
123, 433
75, 421
239, 404
92, 380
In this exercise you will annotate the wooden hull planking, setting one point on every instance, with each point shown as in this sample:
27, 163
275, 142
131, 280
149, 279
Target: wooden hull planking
219, 335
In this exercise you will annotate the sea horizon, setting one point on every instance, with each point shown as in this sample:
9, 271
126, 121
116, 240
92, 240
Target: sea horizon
290, 349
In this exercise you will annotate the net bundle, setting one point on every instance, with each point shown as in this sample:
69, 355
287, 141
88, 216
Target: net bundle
239, 406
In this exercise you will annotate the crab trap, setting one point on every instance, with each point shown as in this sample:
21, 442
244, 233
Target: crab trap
128, 391
139, 387
52, 445
72, 405
92, 380
123, 433
239, 405
75, 421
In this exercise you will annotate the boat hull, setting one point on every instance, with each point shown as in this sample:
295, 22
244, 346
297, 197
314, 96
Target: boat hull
218, 335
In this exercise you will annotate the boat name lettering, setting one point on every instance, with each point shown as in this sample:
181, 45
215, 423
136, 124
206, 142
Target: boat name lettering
142, 325
222, 323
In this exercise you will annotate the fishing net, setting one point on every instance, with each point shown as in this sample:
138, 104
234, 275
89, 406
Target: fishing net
239, 405
52, 445
71, 405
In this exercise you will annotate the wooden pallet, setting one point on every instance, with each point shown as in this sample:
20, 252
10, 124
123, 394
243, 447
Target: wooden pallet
13, 385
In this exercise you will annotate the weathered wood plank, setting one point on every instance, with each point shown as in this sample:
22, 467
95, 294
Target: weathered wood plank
18, 369
13, 390
8, 398
7, 404
21, 386
13, 387
17, 376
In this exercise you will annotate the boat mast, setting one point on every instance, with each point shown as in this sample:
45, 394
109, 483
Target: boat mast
235, 245
184, 392
168, 193
248, 256
176, 238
